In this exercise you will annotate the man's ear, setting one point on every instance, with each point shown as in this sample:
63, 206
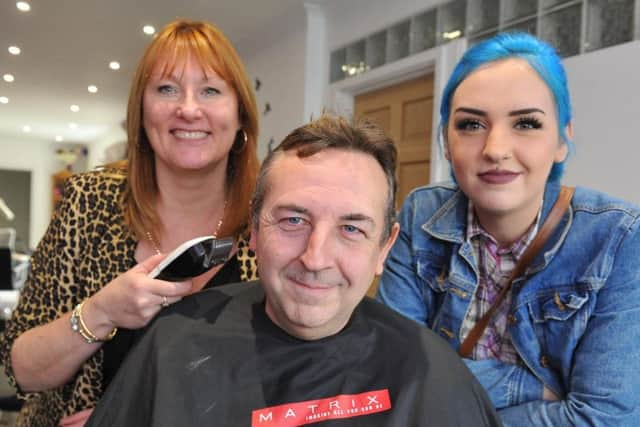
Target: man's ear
254, 235
395, 230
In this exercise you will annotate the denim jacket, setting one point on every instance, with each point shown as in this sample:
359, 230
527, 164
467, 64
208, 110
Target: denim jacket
574, 317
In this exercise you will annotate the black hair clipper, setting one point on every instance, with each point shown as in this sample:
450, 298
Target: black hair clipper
192, 258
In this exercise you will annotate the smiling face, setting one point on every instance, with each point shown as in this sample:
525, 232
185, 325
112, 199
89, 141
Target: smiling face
318, 239
190, 117
502, 139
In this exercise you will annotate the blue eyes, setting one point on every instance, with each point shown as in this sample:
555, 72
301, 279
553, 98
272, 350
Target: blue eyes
296, 223
468, 125
351, 229
167, 90
528, 123
211, 91
171, 90
293, 223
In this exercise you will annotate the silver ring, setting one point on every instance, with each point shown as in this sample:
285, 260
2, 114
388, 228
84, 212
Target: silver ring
165, 302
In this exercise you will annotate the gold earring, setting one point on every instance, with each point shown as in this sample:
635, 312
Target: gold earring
238, 148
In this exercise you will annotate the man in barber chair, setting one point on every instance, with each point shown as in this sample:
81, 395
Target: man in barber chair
303, 345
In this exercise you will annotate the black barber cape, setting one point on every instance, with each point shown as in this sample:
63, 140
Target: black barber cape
216, 359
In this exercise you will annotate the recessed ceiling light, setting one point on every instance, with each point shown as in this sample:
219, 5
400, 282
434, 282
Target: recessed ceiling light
450, 35
73, 125
148, 29
74, 108
92, 89
26, 128
14, 50
23, 6
59, 138
8, 78
4, 100
114, 65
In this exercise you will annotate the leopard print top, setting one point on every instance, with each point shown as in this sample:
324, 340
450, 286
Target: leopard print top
86, 246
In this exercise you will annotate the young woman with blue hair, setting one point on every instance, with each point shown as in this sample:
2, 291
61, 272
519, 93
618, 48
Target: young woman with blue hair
560, 344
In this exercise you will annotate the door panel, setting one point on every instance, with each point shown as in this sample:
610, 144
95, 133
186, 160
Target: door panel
404, 111
382, 117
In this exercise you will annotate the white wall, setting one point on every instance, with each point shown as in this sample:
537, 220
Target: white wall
36, 156
97, 155
605, 90
278, 60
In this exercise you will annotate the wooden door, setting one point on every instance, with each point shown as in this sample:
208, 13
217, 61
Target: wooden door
404, 111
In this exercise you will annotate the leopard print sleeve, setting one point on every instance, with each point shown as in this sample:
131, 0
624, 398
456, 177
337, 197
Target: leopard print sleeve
59, 279
42, 299
246, 259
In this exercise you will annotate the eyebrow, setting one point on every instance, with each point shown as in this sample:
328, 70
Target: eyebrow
526, 111
358, 217
176, 77
293, 208
482, 113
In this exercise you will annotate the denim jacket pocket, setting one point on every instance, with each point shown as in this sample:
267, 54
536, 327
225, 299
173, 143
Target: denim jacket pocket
561, 306
446, 301
559, 320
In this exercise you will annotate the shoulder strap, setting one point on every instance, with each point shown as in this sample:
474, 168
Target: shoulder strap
557, 211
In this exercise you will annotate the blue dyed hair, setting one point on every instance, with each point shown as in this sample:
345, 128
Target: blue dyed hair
540, 56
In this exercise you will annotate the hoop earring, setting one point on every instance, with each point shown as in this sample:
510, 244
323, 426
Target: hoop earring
238, 147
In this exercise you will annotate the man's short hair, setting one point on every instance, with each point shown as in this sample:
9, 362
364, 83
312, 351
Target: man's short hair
335, 132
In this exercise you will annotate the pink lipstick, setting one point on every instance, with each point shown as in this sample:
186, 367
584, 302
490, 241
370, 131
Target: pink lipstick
498, 176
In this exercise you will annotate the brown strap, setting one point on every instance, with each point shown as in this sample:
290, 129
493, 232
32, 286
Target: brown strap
558, 210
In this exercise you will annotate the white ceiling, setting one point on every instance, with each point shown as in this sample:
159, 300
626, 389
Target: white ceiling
67, 45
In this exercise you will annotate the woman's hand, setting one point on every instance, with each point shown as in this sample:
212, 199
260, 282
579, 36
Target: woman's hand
132, 299
548, 394
49, 355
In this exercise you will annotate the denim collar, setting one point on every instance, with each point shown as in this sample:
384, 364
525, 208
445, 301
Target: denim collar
449, 223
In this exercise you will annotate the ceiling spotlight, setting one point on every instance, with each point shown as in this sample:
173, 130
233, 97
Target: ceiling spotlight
74, 108
148, 29
23, 6
14, 50
450, 35
92, 89
73, 125
114, 65
8, 78
4, 100
59, 138
26, 128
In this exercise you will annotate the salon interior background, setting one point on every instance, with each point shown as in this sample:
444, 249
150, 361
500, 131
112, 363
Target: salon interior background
306, 55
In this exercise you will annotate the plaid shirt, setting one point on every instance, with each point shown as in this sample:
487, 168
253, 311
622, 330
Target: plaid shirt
495, 264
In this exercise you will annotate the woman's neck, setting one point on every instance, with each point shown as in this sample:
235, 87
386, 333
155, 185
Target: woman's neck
507, 228
189, 205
